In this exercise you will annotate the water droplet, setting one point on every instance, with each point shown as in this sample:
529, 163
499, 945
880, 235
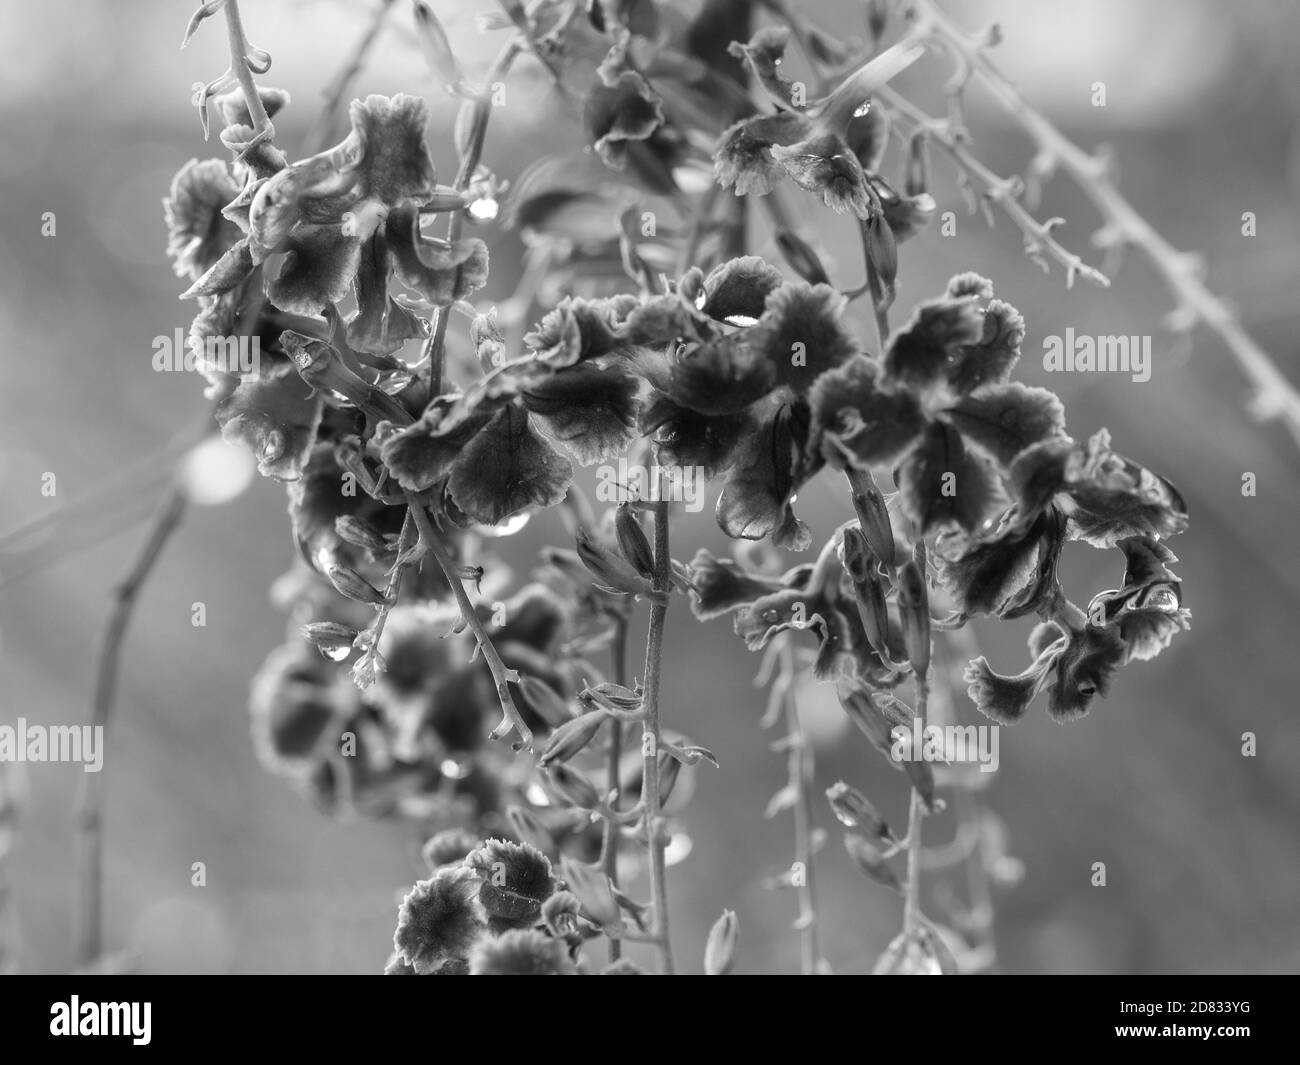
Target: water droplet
678, 849
862, 109
507, 528
336, 654
455, 770
484, 210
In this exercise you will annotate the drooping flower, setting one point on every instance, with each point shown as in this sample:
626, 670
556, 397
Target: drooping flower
440, 921
515, 880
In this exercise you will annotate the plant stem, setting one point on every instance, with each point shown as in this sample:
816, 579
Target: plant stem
650, 740
502, 675
323, 129
435, 350
912, 897
801, 771
90, 804
609, 842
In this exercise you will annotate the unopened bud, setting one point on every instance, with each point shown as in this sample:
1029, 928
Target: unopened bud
329, 637
720, 951
916, 167
595, 893
360, 533
572, 737
550, 706
859, 563
613, 573
882, 250
433, 42
871, 862
572, 786
350, 583
873, 517
854, 810
632, 541
914, 613
802, 259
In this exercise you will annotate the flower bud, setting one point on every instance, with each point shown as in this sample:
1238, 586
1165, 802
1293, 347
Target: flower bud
632, 542
330, 638
595, 893
572, 737
350, 583
873, 518
859, 563
871, 862
432, 39
614, 574
549, 705
914, 613
572, 786
882, 250
916, 168
360, 534
801, 257
720, 951
854, 810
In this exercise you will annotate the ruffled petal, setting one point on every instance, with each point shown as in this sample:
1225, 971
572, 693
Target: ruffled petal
743, 158
615, 114
507, 467
856, 420
276, 418
1114, 498
440, 272
802, 334
197, 233
920, 353
991, 359
740, 288
827, 166
1004, 419
317, 271
591, 408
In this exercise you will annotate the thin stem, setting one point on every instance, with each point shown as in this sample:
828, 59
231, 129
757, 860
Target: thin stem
912, 897
90, 805
262, 128
609, 843
650, 740
435, 350
1276, 396
502, 675
323, 129
801, 770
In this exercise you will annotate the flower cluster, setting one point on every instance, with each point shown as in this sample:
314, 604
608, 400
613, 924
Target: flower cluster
986, 464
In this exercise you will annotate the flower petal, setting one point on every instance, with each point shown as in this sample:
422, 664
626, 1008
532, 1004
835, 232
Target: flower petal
942, 482
990, 360
197, 232
802, 333
1115, 498
1006, 419
920, 352
1083, 671
686, 438
317, 270
507, 467
740, 287
743, 158
592, 408
856, 420
824, 164
626, 110
442, 273
276, 418
720, 585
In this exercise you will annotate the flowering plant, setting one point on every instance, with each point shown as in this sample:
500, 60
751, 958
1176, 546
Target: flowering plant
657, 339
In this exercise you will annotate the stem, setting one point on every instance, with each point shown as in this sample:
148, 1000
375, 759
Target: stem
912, 897
650, 740
435, 350
1123, 224
609, 843
323, 129
502, 675
262, 127
879, 310
801, 769
90, 804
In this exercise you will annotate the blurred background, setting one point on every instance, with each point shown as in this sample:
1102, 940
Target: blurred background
1200, 843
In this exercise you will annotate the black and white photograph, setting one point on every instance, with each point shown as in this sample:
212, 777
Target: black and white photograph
650, 487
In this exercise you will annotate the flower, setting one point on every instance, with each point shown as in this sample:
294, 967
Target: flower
198, 234
440, 921
516, 879
522, 952
940, 406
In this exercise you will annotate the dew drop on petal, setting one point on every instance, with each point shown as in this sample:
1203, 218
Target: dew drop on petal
215, 472
336, 654
862, 109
